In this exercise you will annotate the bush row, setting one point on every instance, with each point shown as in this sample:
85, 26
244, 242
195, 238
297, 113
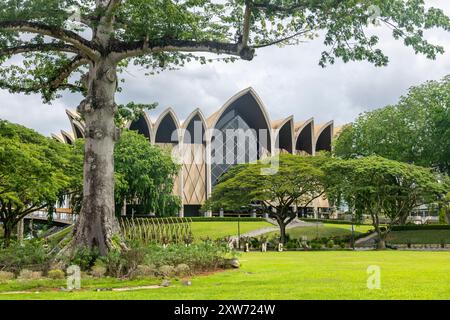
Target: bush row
409, 227
331, 221
35, 259
226, 219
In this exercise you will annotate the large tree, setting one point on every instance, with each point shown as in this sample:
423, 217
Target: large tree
296, 181
383, 188
416, 130
144, 176
85, 55
35, 172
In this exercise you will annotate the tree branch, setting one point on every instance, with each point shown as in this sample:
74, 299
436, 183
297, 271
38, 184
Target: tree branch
299, 5
281, 40
64, 35
112, 5
39, 47
139, 48
55, 83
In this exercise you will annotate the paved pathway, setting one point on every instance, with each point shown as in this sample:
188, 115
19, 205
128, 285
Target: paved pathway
368, 241
256, 233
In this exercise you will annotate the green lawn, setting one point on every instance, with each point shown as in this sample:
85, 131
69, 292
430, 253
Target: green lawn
290, 275
216, 230
326, 230
419, 236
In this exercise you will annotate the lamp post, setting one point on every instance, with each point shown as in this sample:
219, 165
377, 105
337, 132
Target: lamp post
239, 231
353, 231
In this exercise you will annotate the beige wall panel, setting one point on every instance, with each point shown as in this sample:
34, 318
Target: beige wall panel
194, 174
177, 183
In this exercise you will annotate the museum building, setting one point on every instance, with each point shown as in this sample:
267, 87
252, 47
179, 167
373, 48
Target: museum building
207, 149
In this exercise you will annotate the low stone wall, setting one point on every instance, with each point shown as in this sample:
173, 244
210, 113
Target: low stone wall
423, 246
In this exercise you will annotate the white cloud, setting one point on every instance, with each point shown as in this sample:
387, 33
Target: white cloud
288, 80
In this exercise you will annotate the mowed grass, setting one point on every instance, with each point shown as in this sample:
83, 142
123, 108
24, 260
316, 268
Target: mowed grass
297, 275
419, 237
221, 229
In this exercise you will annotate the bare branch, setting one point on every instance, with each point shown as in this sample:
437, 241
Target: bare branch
68, 36
282, 39
65, 72
41, 47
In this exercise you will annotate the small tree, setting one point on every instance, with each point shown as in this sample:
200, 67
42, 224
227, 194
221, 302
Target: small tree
35, 172
298, 180
145, 175
383, 188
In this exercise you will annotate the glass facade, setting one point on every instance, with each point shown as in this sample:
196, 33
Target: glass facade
234, 143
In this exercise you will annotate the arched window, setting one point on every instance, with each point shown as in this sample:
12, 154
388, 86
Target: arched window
166, 128
283, 140
304, 141
324, 136
142, 126
242, 134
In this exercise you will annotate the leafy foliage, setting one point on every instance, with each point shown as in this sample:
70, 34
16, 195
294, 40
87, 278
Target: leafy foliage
416, 130
164, 34
31, 255
146, 175
35, 172
381, 187
296, 180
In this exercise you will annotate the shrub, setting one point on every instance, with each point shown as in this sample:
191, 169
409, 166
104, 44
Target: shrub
330, 244
6, 276
333, 221
198, 257
31, 255
182, 270
145, 271
56, 274
98, 271
166, 271
315, 245
84, 258
226, 219
123, 263
421, 227
26, 274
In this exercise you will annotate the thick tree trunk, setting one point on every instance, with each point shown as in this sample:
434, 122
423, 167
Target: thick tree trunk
282, 232
97, 226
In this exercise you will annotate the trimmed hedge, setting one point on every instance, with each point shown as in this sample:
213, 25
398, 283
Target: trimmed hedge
226, 219
409, 227
331, 221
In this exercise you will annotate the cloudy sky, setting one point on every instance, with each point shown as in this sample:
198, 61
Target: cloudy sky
289, 81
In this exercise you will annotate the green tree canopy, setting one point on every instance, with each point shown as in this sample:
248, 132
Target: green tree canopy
416, 130
35, 172
381, 188
145, 176
82, 45
296, 180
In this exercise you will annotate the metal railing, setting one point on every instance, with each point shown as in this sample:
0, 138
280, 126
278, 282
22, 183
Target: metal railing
60, 217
